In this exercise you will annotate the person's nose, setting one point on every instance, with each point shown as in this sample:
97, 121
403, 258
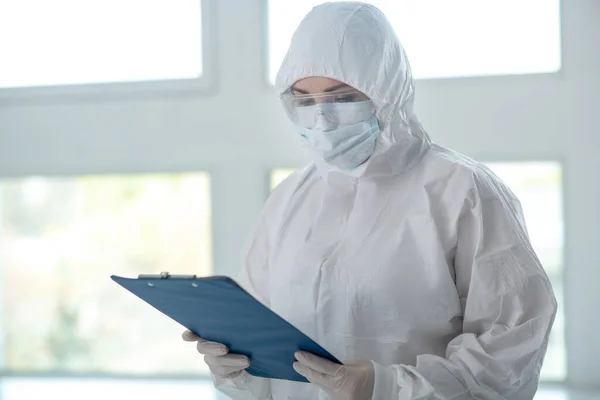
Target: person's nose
324, 121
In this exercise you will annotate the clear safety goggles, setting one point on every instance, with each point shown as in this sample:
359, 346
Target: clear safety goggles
339, 108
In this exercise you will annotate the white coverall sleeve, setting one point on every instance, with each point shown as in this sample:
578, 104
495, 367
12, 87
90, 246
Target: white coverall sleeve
255, 279
508, 311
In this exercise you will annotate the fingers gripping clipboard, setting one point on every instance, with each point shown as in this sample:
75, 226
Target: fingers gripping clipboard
218, 309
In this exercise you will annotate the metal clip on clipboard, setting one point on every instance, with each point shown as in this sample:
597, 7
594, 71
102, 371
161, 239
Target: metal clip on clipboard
165, 275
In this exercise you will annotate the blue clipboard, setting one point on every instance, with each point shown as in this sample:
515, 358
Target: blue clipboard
218, 309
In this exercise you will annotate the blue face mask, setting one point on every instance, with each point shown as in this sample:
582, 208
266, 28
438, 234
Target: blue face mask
343, 135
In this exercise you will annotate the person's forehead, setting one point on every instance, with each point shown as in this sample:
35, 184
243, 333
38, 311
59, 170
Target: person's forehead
319, 85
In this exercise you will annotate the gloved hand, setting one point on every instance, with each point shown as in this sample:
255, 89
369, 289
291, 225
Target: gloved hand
216, 355
352, 381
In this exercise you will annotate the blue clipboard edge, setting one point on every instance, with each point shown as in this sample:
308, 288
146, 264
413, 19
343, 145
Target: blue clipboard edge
223, 278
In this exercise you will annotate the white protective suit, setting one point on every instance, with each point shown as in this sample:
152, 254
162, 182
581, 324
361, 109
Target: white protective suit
419, 260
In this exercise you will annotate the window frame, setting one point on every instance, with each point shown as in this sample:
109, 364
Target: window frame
204, 84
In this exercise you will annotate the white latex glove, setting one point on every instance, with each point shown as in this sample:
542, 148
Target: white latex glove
216, 355
352, 381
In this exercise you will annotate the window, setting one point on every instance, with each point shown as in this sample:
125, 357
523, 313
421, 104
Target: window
60, 240
446, 39
278, 176
538, 185
66, 42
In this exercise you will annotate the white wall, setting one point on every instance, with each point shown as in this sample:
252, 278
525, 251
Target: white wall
240, 132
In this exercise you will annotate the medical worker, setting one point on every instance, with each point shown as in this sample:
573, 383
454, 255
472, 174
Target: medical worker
407, 259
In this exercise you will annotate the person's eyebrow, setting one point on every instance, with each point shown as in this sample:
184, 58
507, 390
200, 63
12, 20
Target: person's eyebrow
336, 87
299, 90
329, 89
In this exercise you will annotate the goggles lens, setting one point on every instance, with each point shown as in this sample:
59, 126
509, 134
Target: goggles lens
339, 108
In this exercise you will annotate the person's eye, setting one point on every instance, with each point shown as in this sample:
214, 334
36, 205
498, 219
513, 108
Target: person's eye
306, 102
348, 98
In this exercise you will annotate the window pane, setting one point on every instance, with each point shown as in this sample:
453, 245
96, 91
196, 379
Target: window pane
538, 185
451, 38
62, 238
279, 175
63, 42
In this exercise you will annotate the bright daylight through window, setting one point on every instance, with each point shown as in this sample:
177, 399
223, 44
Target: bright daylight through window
446, 39
63, 42
60, 240
538, 185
